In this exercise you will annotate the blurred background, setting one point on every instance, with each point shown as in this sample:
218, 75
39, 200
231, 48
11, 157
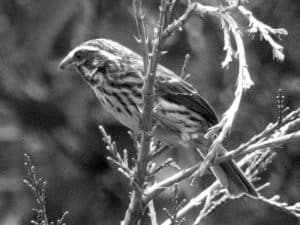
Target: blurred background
54, 116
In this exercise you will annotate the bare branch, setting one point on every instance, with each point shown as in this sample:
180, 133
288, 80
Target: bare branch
275, 201
183, 73
169, 162
158, 151
244, 82
227, 45
152, 213
121, 163
269, 130
177, 24
159, 187
195, 201
175, 206
212, 201
269, 143
271, 136
135, 210
143, 39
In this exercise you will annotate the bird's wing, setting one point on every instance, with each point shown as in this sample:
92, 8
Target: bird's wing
172, 88
176, 90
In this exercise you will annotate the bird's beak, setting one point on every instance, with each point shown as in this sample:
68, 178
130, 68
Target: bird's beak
66, 63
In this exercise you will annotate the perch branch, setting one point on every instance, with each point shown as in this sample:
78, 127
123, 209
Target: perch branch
269, 143
135, 210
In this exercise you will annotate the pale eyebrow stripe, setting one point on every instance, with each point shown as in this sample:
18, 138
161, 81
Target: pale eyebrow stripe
85, 47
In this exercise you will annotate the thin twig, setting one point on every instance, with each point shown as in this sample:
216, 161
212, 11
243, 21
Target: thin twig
176, 205
152, 213
143, 39
135, 210
159, 187
289, 120
160, 150
177, 24
275, 201
38, 188
194, 201
185, 65
269, 143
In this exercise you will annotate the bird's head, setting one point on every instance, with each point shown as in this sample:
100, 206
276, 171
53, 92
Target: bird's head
88, 58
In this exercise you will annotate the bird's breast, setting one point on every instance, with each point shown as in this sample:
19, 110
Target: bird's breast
124, 105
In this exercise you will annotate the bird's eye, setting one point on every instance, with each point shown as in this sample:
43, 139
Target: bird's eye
78, 55
95, 62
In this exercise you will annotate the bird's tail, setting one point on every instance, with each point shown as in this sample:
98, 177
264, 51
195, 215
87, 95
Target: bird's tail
232, 178
237, 183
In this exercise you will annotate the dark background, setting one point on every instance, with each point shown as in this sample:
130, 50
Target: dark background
54, 116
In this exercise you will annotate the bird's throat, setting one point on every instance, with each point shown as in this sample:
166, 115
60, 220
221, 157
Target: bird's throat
87, 74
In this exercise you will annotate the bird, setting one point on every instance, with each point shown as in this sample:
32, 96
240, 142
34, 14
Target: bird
180, 114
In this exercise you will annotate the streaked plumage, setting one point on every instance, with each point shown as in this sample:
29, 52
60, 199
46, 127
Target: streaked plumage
115, 73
